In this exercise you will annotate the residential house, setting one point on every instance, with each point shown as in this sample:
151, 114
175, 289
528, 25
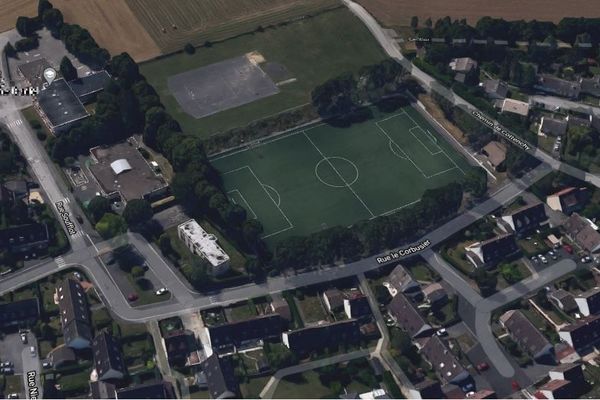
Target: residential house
566, 354
20, 313
562, 299
18, 188
220, 376
25, 239
495, 88
495, 153
155, 390
491, 251
523, 220
560, 87
591, 86
527, 336
463, 65
581, 232
568, 372
308, 339
408, 318
589, 301
579, 122
61, 356
74, 314
203, 244
400, 281
442, 360
568, 200
243, 332
426, 389
515, 107
333, 299
582, 334
181, 348
356, 305
552, 127
108, 360
374, 394
435, 295
557, 389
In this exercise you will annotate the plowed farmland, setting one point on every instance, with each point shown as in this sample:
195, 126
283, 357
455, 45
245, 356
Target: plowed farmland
173, 23
11, 9
399, 12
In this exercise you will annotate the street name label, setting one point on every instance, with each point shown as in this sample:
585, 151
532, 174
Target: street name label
394, 255
498, 129
32, 388
66, 217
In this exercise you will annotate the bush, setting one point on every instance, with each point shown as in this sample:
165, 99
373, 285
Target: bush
41, 135
144, 153
27, 44
189, 48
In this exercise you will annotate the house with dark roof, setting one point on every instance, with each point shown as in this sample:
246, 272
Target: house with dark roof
426, 389
61, 356
581, 232
557, 389
87, 87
25, 239
491, 251
579, 122
74, 314
589, 301
562, 299
20, 313
568, 200
333, 299
280, 306
18, 188
435, 295
523, 220
108, 360
443, 361
59, 108
495, 88
560, 87
312, 338
581, 334
408, 318
591, 86
495, 153
242, 332
568, 372
222, 383
552, 127
156, 390
356, 305
181, 348
102, 390
400, 281
566, 354
527, 336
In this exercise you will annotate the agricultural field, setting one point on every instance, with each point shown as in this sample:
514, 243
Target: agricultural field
11, 9
173, 23
112, 24
311, 50
395, 13
323, 176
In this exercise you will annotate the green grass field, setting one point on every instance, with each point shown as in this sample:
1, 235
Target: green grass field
324, 176
313, 50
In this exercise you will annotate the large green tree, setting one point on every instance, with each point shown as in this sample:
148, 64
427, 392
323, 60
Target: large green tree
67, 70
137, 212
111, 225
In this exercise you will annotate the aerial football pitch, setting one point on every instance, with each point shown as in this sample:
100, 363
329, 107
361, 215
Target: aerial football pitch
322, 176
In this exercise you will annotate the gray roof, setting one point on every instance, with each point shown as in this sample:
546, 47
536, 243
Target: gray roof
107, 354
443, 361
401, 280
553, 127
408, 317
90, 84
74, 313
561, 87
495, 88
524, 332
60, 105
220, 377
582, 233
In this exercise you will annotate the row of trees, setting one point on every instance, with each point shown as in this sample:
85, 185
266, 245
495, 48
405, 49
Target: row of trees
371, 236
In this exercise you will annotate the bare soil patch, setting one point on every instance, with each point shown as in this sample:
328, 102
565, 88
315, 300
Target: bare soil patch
11, 9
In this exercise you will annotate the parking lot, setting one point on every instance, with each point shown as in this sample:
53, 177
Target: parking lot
24, 364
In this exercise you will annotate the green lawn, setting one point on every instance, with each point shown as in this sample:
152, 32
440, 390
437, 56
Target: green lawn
313, 50
13, 384
241, 312
252, 389
422, 272
145, 291
306, 385
312, 310
325, 176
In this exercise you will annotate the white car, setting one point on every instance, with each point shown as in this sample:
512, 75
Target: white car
32, 351
442, 332
162, 291
543, 259
586, 259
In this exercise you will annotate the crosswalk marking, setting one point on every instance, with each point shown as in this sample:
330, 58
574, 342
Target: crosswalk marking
60, 262
15, 123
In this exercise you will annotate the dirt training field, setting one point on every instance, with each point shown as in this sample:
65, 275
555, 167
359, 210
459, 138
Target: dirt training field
173, 23
399, 12
111, 23
11, 9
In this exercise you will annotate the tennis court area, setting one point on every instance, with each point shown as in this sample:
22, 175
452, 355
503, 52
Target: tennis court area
322, 176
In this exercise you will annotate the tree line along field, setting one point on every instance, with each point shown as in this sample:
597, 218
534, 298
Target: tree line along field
399, 12
173, 23
313, 50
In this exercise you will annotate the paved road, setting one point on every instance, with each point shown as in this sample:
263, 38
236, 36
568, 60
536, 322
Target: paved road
392, 49
552, 102
32, 382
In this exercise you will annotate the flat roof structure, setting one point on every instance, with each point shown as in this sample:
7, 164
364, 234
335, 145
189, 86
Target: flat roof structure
515, 107
122, 169
202, 243
89, 85
60, 106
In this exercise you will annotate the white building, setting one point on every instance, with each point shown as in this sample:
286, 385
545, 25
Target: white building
204, 245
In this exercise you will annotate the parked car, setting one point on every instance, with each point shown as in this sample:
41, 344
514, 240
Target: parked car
534, 259
77, 276
23, 337
442, 332
515, 386
6, 364
132, 297
482, 367
7, 371
543, 259
13, 396
161, 291
568, 248
46, 364
32, 351
586, 259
